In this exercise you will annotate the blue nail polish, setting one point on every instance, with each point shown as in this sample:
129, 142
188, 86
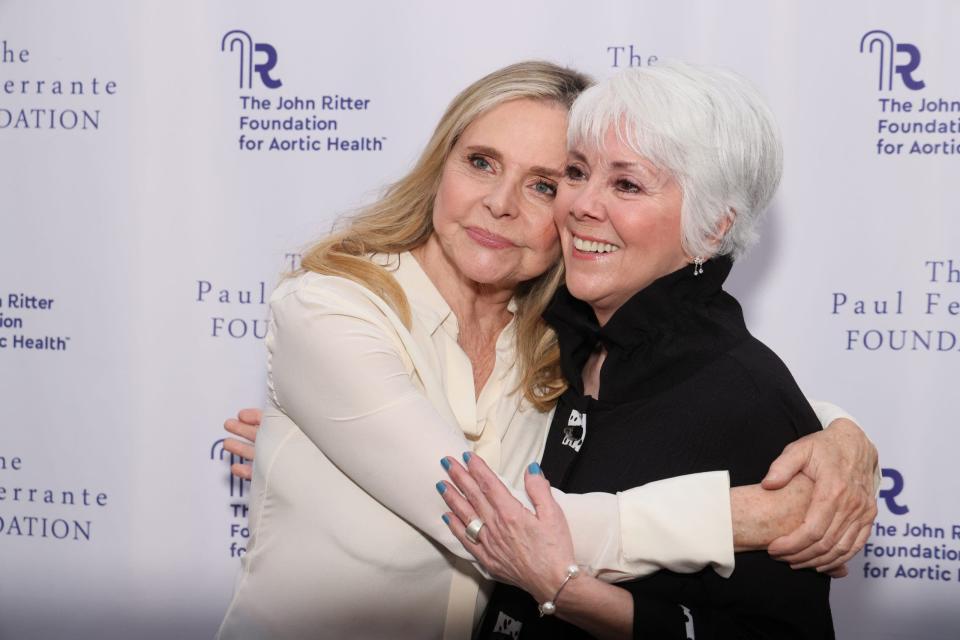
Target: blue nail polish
534, 468
445, 464
441, 487
466, 456
445, 518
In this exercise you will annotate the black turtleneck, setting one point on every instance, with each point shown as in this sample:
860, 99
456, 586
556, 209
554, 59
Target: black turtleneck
684, 388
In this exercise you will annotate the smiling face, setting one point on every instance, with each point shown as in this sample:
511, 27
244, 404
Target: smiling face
619, 222
493, 212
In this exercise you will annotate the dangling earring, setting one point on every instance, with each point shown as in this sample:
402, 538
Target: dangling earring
697, 266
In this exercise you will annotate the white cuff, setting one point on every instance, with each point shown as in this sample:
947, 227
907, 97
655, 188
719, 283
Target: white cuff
682, 524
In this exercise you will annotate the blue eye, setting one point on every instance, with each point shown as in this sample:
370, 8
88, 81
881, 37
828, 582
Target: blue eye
480, 162
546, 188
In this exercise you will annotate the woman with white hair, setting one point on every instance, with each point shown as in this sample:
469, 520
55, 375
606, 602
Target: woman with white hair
669, 170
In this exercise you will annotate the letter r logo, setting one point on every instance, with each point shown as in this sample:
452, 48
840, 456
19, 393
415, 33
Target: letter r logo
241, 42
264, 68
890, 495
906, 70
882, 43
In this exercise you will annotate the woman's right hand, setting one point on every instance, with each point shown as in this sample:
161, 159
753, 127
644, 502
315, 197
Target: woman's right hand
245, 426
842, 462
531, 550
761, 515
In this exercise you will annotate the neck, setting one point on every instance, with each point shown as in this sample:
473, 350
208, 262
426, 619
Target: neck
481, 310
603, 314
477, 305
606, 308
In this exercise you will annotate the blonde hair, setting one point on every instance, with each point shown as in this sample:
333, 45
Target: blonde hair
402, 219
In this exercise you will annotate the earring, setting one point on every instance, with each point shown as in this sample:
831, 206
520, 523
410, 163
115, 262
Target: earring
697, 266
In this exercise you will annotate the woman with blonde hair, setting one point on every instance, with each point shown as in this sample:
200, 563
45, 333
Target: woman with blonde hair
415, 328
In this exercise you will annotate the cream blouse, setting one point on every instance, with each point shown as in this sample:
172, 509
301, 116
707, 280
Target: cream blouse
347, 540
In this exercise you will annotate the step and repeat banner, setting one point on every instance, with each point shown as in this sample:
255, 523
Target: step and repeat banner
162, 163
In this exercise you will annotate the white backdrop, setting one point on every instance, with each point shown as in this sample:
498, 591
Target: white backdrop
139, 237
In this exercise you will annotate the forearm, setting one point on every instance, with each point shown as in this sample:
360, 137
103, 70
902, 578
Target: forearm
689, 522
760, 516
371, 420
602, 610
367, 413
686, 523
610, 612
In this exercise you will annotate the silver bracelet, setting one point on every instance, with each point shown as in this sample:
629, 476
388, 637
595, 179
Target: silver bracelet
549, 607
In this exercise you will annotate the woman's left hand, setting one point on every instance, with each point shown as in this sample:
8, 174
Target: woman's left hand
245, 426
842, 462
516, 546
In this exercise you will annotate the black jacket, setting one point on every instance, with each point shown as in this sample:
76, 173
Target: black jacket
684, 388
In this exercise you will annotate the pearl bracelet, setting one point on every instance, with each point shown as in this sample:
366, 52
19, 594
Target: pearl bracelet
549, 607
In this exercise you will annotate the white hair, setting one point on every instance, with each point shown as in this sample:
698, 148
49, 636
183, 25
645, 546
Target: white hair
709, 128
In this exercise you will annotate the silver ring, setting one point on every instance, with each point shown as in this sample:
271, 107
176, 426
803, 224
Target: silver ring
473, 530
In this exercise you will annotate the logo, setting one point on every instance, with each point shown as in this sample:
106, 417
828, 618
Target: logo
507, 626
239, 531
887, 51
913, 549
889, 496
908, 123
575, 431
242, 43
290, 122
